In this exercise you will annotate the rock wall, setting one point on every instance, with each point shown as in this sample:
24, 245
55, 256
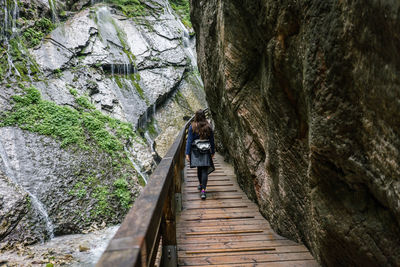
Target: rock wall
305, 98
116, 74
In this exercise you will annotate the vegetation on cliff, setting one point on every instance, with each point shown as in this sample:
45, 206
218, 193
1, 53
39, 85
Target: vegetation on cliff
131, 8
72, 126
182, 8
32, 36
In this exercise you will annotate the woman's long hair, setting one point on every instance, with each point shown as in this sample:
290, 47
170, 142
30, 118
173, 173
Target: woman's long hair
200, 125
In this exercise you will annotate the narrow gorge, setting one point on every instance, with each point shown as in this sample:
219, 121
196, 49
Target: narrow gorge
304, 96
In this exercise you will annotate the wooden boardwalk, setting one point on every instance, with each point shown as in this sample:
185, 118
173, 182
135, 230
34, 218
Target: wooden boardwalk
227, 229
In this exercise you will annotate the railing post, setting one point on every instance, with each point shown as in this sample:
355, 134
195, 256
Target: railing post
178, 178
169, 256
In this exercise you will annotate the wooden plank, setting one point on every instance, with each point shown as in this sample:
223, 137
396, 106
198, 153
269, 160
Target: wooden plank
197, 207
227, 238
253, 227
250, 251
185, 240
192, 180
213, 188
213, 191
188, 187
222, 232
220, 217
257, 258
260, 222
285, 263
210, 202
229, 250
222, 211
236, 196
243, 213
233, 244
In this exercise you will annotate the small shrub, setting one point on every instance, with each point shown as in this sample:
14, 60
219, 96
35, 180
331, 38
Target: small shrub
101, 194
122, 192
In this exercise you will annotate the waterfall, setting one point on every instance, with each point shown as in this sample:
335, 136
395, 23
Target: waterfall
149, 141
40, 209
5, 23
11, 15
188, 45
9, 30
15, 15
53, 8
137, 167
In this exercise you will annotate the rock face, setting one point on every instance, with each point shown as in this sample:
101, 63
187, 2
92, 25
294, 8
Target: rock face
89, 59
305, 97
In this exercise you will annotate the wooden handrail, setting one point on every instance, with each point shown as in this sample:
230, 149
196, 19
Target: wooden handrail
152, 217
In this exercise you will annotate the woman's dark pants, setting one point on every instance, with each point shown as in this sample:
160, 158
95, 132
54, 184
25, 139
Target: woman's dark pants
202, 175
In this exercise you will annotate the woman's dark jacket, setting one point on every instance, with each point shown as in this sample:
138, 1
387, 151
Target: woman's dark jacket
196, 158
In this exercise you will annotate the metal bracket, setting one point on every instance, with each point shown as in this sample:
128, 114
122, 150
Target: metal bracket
169, 256
178, 202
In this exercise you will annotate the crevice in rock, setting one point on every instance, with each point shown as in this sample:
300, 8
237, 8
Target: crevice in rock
161, 100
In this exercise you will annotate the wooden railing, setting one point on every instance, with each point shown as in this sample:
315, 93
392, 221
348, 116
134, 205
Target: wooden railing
152, 217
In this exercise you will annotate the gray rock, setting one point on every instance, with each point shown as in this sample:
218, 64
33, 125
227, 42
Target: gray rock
305, 99
65, 42
43, 170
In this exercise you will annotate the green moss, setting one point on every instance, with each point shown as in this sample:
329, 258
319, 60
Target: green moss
24, 64
79, 190
122, 192
28, 202
102, 195
32, 36
73, 91
118, 81
151, 127
84, 103
182, 8
79, 127
131, 8
122, 38
140, 91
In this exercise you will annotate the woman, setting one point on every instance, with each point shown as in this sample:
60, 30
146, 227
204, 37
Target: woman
200, 149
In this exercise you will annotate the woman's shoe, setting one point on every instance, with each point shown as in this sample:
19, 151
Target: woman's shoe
199, 187
203, 194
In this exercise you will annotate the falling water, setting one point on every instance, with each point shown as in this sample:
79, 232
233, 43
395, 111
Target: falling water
15, 16
38, 206
92, 2
137, 167
5, 23
53, 9
150, 141
11, 15
9, 30
188, 46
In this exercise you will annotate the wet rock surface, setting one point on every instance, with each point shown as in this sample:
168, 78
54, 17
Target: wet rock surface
72, 250
64, 181
305, 99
